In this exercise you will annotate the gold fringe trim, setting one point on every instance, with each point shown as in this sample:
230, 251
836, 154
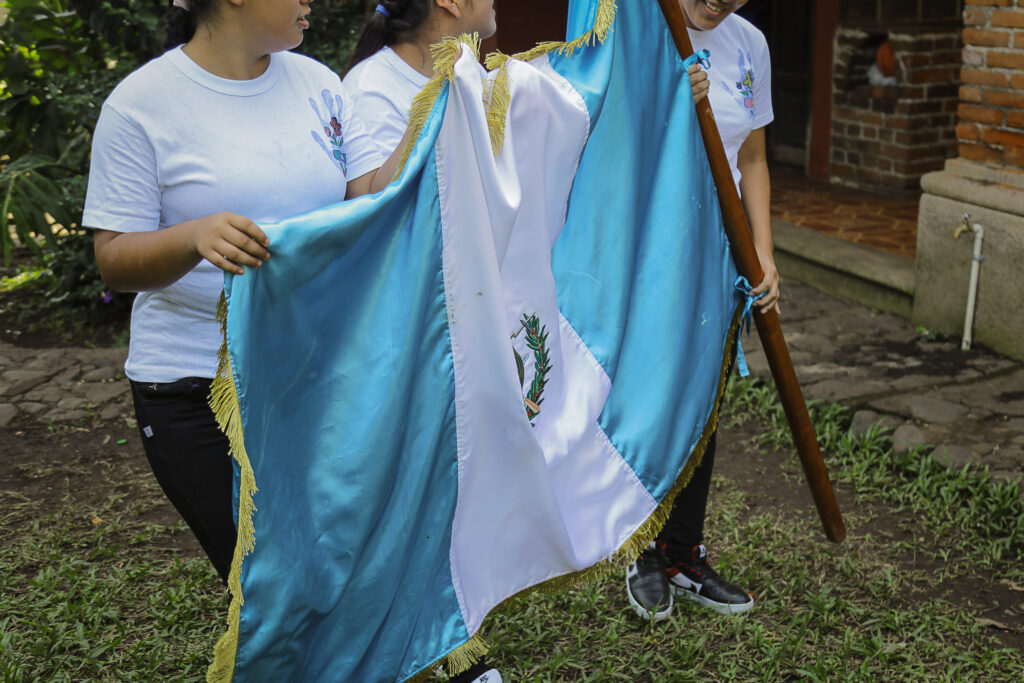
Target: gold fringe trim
444, 70
455, 662
497, 107
603, 21
501, 92
224, 402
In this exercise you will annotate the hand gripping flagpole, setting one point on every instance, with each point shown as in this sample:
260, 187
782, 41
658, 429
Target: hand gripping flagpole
738, 229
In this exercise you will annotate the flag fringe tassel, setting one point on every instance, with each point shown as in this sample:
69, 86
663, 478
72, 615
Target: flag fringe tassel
444, 71
227, 410
500, 98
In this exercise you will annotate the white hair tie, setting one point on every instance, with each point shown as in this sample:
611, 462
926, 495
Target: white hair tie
183, 4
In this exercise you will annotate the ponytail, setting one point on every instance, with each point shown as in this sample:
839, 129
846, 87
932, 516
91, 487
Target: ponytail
389, 20
182, 23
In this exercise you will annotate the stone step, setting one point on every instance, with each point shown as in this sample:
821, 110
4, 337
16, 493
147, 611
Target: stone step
845, 270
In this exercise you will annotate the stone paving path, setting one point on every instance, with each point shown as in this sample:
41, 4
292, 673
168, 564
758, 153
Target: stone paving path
63, 385
970, 405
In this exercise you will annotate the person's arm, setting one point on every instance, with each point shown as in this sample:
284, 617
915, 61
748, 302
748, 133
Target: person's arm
755, 191
377, 180
140, 261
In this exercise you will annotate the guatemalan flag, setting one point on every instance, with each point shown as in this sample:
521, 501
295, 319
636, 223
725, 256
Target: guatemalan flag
489, 378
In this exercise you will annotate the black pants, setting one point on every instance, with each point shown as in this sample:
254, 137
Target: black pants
190, 457
685, 526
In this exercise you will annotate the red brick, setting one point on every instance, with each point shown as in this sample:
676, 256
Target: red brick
1017, 81
1008, 18
1004, 98
1004, 138
967, 132
1014, 158
973, 58
982, 77
1006, 60
989, 3
968, 94
950, 58
979, 114
1015, 119
980, 153
913, 61
975, 16
1018, 39
870, 119
870, 133
942, 91
939, 75
842, 170
974, 36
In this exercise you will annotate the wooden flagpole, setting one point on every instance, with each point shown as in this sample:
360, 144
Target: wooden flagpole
738, 229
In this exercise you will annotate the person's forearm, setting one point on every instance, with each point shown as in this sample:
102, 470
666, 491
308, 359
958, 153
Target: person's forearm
755, 191
140, 261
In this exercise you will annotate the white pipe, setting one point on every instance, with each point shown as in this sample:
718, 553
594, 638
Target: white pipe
972, 291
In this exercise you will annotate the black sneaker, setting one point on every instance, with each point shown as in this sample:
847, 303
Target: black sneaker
699, 581
478, 673
647, 586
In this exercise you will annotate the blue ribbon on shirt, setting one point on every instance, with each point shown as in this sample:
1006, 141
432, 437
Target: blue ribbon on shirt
744, 288
702, 57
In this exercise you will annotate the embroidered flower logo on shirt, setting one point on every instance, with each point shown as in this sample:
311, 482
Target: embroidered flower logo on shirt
745, 85
331, 128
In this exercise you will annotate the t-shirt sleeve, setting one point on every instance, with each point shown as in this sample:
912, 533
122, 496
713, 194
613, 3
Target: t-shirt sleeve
763, 111
123, 193
381, 119
361, 150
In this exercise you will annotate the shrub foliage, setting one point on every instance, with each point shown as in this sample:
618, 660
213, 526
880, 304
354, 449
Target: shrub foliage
59, 59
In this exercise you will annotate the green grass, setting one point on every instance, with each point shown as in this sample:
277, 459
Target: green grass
824, 613
97, 593
94, 594
979, 520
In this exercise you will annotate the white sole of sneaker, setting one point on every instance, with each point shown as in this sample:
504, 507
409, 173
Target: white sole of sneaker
646, 614
721, 608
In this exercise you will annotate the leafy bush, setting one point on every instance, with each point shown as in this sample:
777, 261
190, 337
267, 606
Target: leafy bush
59, 59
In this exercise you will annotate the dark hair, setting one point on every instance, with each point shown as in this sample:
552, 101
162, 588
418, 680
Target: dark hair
382, 30
181, 23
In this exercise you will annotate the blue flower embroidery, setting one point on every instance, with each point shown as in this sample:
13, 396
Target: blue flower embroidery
331, 125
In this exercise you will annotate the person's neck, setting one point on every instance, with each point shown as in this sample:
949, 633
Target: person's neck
415, 51
226, 55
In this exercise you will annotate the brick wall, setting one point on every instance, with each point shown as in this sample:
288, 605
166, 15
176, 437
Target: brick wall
991, 111
891, 136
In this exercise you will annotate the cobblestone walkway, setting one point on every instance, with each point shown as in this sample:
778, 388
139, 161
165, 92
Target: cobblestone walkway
63, 385
969, 405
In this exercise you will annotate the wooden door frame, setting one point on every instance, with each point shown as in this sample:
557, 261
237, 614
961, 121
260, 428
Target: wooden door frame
826, 21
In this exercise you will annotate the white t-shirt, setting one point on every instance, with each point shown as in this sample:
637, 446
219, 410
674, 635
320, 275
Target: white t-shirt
741, 81
381, 89
174, 143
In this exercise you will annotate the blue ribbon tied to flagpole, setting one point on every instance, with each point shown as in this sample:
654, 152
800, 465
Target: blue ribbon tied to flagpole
743, 287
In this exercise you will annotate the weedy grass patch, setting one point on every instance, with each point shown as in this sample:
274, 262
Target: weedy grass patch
99, 592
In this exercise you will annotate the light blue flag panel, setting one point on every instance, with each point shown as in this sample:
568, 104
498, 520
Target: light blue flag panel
338, 384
